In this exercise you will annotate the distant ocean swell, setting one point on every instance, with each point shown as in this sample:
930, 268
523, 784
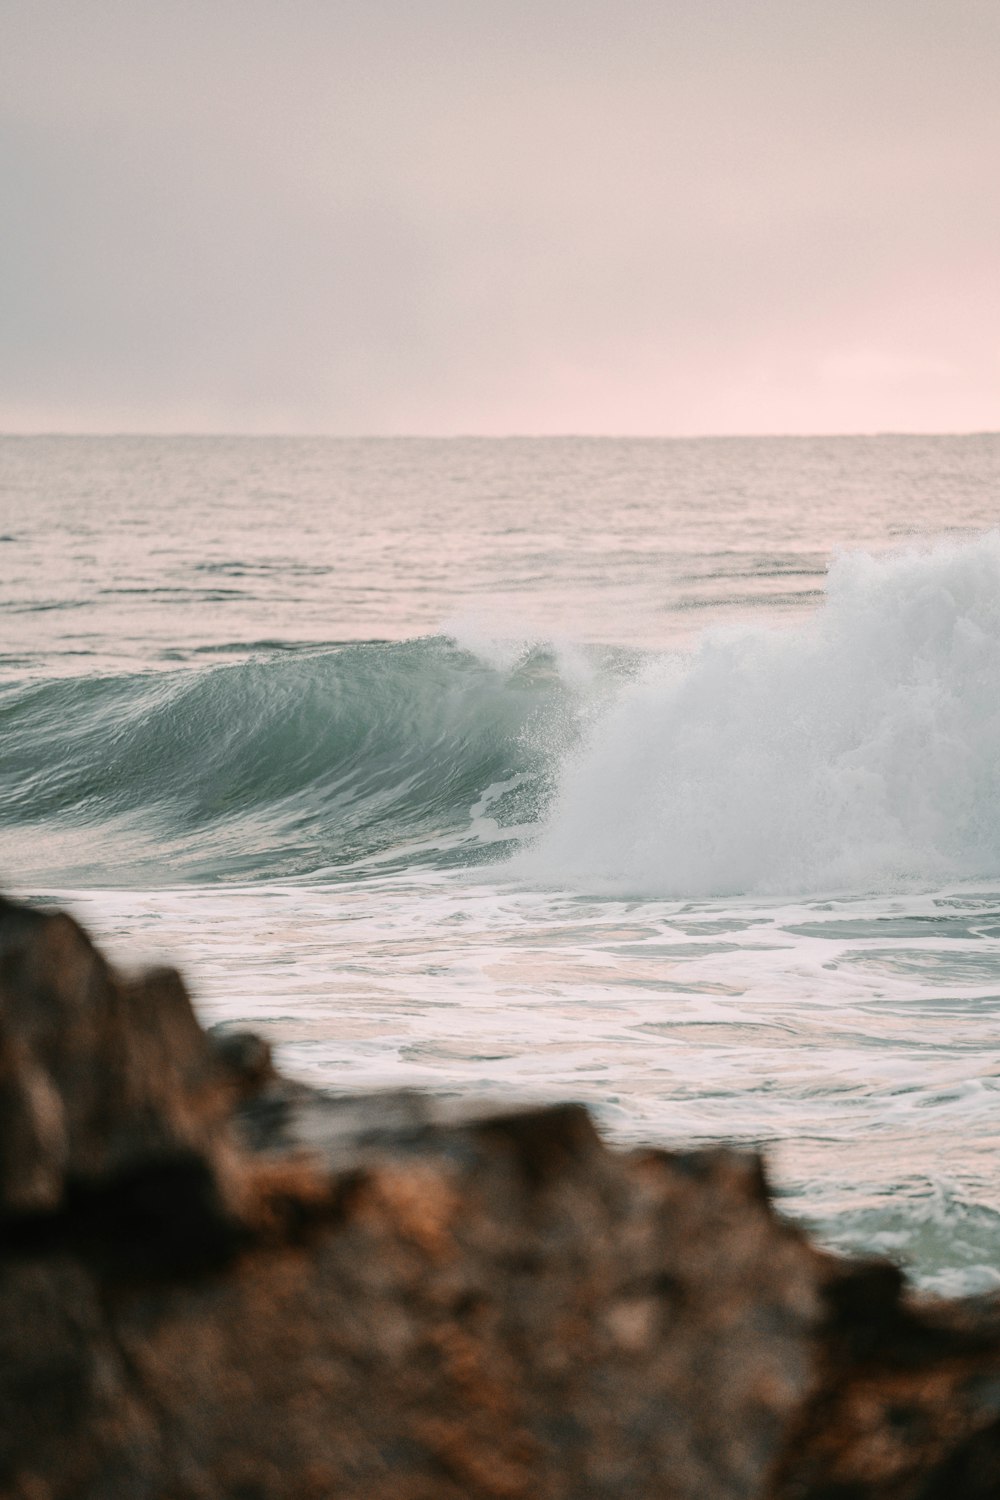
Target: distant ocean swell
856, 750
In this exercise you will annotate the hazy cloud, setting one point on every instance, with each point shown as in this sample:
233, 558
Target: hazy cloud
488, 215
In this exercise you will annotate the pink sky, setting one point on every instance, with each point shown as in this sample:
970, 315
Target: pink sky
673, 216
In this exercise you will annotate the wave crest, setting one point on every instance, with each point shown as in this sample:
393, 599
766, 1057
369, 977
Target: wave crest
858, 750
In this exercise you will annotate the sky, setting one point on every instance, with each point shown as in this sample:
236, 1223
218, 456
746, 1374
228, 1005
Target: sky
500, 216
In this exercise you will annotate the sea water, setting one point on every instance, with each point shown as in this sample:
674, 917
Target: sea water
659, 774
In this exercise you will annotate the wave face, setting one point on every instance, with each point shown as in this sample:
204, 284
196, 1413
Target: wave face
859, 750
289, 765
856, 751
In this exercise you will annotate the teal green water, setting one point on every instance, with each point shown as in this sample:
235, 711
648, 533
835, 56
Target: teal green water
665, 775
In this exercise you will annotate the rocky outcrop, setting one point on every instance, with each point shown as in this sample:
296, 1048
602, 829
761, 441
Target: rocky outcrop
215, 1283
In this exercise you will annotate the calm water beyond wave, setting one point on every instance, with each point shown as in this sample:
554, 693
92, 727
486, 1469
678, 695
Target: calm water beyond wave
665, 775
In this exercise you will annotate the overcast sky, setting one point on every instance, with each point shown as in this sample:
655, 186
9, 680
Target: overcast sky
438, 216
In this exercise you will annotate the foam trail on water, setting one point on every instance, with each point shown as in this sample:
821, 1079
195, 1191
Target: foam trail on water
859, 750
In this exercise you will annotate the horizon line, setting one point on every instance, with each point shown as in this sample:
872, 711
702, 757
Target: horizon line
444, 437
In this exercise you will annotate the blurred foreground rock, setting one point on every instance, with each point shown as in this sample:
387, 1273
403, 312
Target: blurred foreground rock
214, 1283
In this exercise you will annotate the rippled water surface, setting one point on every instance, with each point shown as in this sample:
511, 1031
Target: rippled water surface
547, 768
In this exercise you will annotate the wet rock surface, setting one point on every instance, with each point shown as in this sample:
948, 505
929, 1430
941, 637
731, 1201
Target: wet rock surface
217, 1283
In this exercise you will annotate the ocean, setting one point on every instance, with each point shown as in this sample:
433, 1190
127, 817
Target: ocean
660, 774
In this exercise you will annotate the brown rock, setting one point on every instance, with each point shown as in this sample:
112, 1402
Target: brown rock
109, 1089
215, 1283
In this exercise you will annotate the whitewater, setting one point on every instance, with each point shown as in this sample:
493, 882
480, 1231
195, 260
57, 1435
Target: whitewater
664, 775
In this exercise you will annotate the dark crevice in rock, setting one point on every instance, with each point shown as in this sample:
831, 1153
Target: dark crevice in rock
162, 1218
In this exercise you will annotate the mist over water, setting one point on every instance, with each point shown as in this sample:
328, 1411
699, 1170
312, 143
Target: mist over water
858, 750
663, 775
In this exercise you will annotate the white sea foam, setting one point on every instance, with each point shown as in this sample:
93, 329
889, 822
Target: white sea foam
857, 750
857, 1038
483, 636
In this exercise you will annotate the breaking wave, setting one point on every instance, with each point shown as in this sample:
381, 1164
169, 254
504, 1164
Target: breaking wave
283, 766
859, 750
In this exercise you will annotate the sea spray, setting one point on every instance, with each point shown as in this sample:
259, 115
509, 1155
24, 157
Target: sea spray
859, 749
